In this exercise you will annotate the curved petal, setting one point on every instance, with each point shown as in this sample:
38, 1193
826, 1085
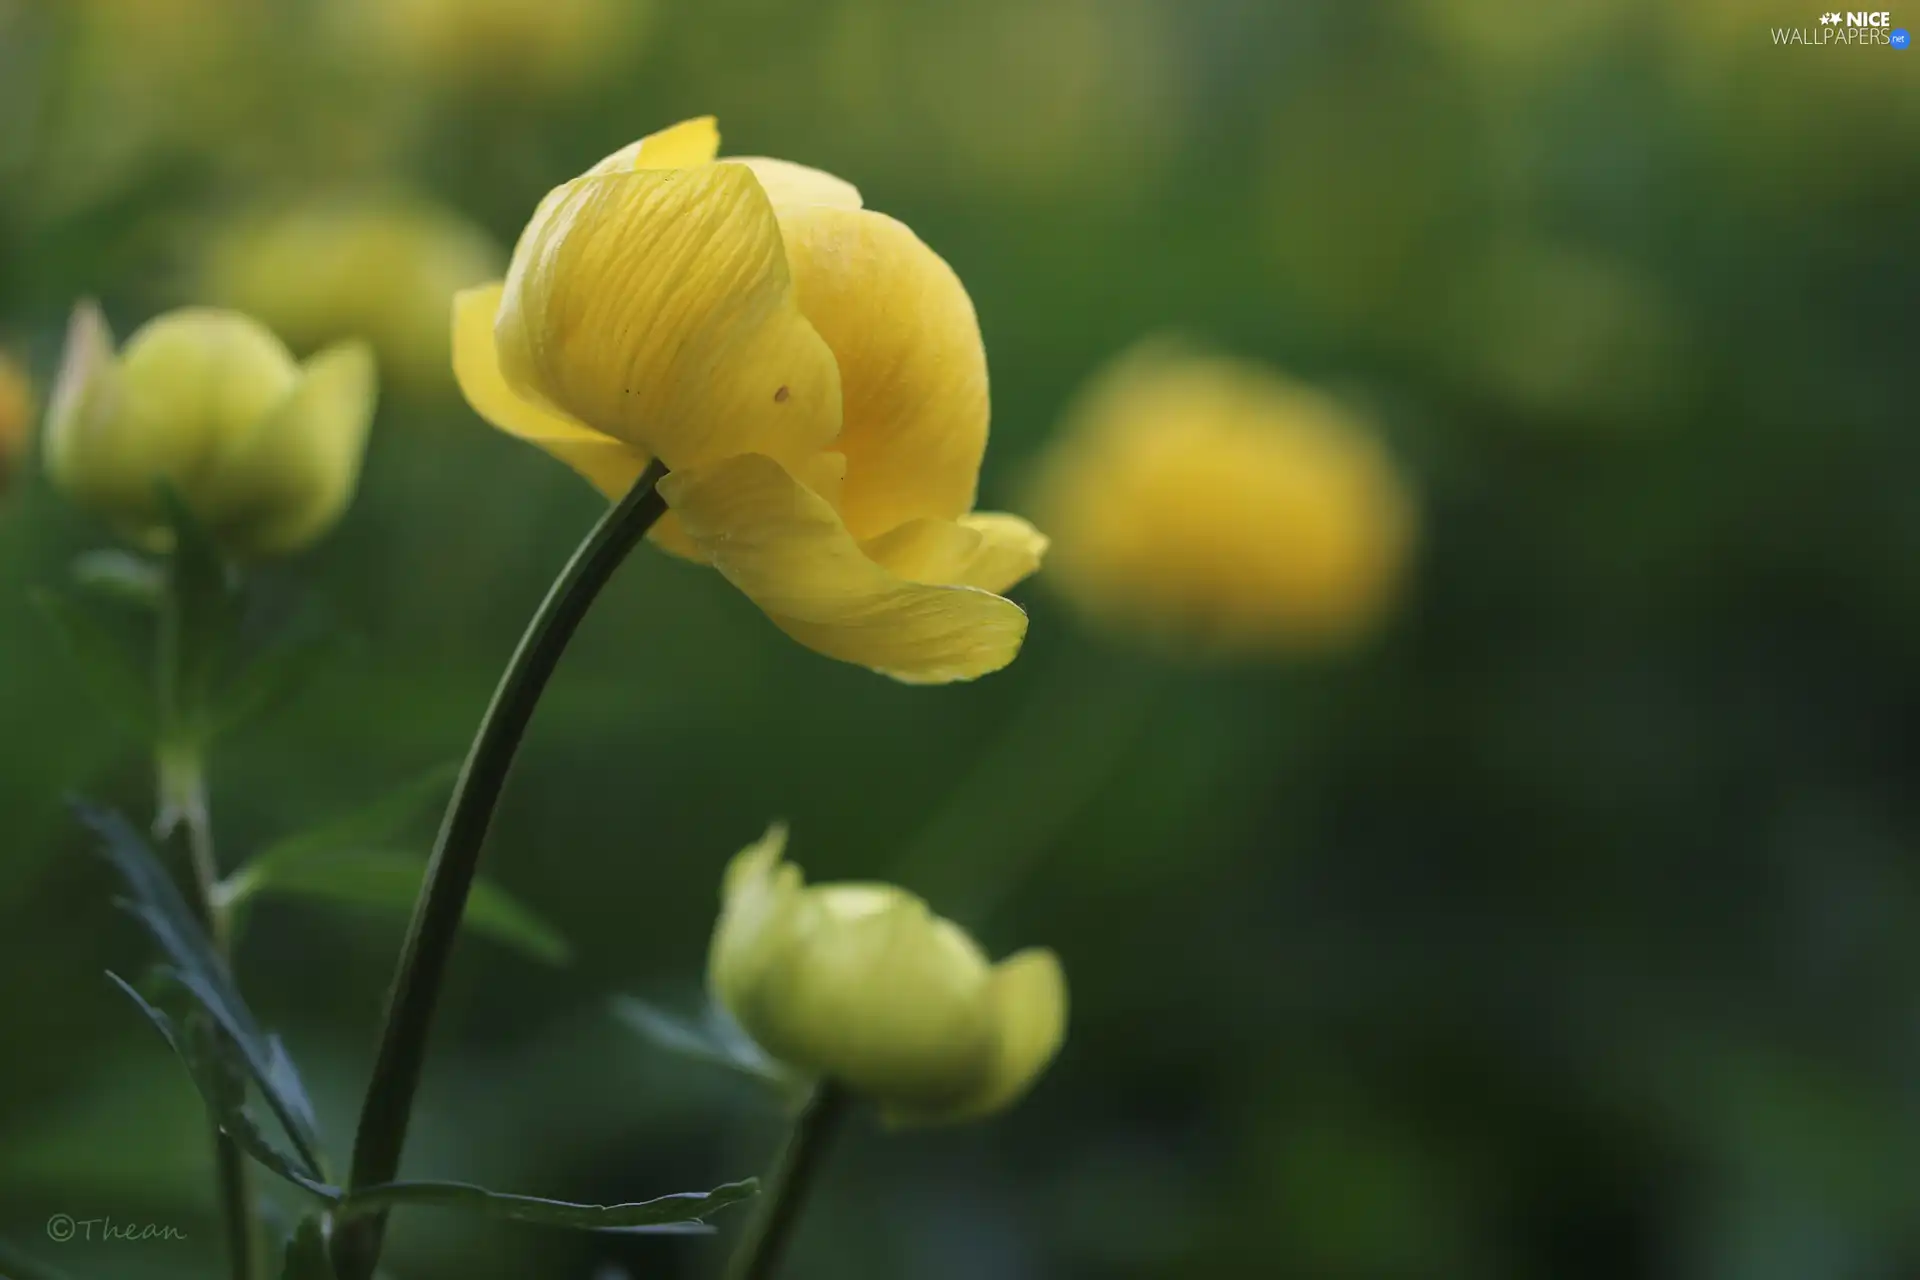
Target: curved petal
987, 549
656, 306
758, 900
789, 185
681, 146
678, 146
1028, 992
81, 417
288, 480
784, 546
610, 465
913, 371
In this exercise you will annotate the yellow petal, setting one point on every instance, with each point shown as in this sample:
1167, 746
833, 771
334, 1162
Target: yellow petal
679, 146
289, 479
81, 412
987, 549
610, 465
1029, 992
788, 184
784, 546
656, 307
913, 371
757, 918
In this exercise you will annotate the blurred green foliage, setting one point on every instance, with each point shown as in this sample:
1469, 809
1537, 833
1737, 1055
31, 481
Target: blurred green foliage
1570, 928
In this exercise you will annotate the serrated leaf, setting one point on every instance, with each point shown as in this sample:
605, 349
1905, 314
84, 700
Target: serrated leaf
307, 1253
109, 674
198, 968
370, 878
673, 1212
224, 1093
715, 1040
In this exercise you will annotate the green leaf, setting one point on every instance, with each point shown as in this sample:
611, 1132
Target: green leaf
15, 1265
371, 878
109, 673
307, 1253
199, 970
224, 1092
344, 862
382, 822
715, 1040
274, 674
674, 1212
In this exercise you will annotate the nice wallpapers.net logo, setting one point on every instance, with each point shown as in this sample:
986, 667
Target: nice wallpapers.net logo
1865, 30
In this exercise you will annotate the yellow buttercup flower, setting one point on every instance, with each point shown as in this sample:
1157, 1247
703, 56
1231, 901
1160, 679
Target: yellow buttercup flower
382, 267
16, 417
265, 452
810, 372
863, 985
1213, 502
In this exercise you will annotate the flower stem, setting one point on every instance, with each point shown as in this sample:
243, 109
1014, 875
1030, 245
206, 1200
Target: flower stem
384, 1114
765, 1245
182, 784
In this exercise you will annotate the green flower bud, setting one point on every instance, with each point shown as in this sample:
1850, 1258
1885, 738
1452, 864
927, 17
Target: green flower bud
863, 984
264, 451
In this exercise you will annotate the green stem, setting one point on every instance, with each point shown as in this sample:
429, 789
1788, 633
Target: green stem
182, 785
384, 1114
765, 1245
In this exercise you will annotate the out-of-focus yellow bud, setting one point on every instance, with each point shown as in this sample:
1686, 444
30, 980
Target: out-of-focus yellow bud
863, 985
540, 45
811, 372
17, 408
384, 268
264, 451
1215, 503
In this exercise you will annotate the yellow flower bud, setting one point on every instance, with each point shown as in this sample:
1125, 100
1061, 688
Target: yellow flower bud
17, 410
264, 451
1213, 502
383, 268
811, 372
863, 985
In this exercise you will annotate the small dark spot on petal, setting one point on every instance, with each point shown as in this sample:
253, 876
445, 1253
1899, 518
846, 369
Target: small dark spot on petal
780, 396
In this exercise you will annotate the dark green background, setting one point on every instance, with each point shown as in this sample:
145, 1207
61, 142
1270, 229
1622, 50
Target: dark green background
1569, 928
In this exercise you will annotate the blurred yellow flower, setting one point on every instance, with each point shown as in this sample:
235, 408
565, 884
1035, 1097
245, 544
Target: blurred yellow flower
862, 984
264, 451
535, 44
811, 372
380, 267
1213, 502
17, 409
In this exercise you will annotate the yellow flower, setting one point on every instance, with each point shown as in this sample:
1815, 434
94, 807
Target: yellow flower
264, 451
810, 371
862, 984
17, 410
535, 44
1212, 501
380, 267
